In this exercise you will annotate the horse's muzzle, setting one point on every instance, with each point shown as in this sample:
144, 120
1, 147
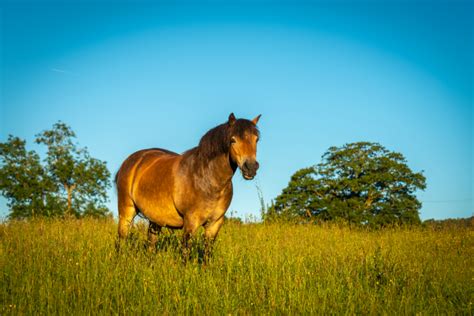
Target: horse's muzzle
249, 169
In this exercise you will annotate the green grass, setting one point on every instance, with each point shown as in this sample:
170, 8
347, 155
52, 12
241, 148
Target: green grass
71, 267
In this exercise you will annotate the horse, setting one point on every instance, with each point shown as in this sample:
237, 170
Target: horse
188, 190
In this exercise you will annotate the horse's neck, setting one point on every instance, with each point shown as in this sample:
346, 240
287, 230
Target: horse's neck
220, 168
215, 173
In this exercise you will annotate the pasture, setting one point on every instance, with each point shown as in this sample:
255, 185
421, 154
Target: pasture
71, 267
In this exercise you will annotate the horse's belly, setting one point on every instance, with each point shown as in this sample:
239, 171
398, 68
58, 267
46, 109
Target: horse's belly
156, 203
167, 219
162, 215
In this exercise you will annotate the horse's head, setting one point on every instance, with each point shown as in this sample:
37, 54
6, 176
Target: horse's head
244, 136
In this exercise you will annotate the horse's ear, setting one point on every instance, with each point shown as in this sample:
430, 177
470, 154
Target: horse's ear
231, 119
255, 120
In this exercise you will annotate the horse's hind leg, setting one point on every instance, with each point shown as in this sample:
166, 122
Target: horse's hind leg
153, 231
127, 213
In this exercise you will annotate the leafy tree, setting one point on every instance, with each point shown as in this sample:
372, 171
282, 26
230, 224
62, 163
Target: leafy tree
360, 183
70, 182
83, 179
23, 180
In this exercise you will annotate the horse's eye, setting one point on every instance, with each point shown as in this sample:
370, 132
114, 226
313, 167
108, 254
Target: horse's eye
233, 140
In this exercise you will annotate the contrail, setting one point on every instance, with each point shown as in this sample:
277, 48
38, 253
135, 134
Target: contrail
62, 71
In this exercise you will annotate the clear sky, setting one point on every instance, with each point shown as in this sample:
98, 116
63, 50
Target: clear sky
130, 76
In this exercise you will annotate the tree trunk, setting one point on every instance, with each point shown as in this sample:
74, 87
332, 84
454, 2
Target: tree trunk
69, 189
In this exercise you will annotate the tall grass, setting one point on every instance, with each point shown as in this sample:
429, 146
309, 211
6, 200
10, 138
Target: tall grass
72, 267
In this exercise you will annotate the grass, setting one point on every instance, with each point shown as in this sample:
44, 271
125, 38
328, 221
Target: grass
71, 267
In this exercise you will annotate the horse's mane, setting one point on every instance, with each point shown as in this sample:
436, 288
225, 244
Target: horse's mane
217, 140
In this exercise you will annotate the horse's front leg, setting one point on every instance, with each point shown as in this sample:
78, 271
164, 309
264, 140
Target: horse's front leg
210, 234
191, 225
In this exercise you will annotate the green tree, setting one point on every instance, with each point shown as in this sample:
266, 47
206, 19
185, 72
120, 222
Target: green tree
82, 179
70, 182
361, 183
24, 182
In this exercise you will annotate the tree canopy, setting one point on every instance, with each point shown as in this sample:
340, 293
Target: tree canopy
67, 182
361, 183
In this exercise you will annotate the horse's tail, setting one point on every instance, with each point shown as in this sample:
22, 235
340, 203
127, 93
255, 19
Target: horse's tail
116, 181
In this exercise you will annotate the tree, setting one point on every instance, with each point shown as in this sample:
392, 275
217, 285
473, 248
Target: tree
23, 180
70, 182
361, 183
83, 179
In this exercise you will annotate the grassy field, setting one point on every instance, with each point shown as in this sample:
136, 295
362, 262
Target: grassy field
71, 267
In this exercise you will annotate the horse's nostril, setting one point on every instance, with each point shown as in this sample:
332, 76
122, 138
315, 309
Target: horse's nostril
250, 166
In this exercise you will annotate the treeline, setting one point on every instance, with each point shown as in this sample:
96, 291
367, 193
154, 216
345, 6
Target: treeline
449, 223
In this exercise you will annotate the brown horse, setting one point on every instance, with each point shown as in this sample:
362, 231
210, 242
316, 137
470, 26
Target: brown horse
189, 190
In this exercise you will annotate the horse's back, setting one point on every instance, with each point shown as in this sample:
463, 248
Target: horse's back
132, 161
154, 152
137, 161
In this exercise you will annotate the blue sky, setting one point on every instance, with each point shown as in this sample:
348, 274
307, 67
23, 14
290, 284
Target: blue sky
130, 76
